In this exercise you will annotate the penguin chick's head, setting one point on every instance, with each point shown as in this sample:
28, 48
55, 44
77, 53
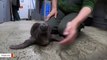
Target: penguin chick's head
44, 26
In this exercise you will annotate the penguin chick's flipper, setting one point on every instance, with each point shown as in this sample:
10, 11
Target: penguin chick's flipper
30, 41
25, 44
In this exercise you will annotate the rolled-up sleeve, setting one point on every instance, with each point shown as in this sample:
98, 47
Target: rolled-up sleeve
89, 3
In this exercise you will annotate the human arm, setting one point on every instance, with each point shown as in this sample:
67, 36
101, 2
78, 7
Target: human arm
72, 26
53, 11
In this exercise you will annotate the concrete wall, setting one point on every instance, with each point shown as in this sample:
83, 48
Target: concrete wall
1, 11
4, 11
7, 10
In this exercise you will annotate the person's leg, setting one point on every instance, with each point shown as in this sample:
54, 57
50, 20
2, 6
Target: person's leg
15, 13
54, 22
64, 22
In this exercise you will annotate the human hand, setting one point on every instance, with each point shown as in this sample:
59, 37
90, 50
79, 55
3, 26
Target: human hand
70, 33
52, 13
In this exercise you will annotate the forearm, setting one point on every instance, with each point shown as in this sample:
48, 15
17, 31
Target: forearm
83, 14
54, 4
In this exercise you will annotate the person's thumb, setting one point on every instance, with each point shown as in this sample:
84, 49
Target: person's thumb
55, 15
66, 31
48, 17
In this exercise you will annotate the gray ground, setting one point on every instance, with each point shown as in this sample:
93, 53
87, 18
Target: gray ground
91, 45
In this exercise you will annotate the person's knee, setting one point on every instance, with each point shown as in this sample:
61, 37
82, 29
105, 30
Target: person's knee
51, 22
61, 29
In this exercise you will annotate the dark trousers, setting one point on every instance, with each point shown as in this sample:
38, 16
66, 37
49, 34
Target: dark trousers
61, 21
15, 13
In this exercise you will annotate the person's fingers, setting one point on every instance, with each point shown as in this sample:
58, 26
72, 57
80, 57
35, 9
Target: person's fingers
69, 39
48, 17
55, 15
66, 31
68, 28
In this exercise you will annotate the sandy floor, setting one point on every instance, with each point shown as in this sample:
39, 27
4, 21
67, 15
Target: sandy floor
91, 45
